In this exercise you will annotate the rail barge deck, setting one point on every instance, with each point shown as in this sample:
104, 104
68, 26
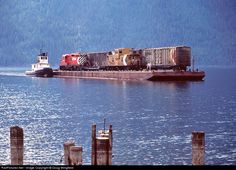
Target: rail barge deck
135, 75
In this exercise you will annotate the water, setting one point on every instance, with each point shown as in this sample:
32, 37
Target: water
152, 121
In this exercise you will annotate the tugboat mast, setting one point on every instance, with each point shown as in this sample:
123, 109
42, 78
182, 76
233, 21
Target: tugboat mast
193, 64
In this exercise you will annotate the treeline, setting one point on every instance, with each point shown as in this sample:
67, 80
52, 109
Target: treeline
59, 27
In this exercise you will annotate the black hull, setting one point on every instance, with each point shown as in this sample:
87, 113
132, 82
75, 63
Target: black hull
46, 72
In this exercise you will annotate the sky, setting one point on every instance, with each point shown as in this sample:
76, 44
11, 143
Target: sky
59, 27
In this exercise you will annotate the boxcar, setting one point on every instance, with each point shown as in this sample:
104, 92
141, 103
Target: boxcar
178, 57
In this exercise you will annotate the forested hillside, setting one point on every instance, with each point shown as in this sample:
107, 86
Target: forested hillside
65, 26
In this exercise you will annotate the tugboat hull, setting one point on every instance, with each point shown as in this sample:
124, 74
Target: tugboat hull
45, 72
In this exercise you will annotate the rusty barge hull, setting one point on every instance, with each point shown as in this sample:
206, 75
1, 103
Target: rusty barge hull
134, 75
178, 76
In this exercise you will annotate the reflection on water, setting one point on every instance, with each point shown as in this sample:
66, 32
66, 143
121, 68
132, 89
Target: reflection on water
152, 121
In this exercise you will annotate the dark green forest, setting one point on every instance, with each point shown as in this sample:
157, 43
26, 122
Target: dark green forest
66, 26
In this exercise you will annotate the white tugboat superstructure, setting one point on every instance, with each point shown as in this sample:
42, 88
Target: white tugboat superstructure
41, 68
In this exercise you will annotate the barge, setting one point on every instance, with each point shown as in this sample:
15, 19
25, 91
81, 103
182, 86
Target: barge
154, 64
157, 75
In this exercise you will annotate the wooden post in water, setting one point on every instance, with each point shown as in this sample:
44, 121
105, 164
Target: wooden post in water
102, 146
198, 148
16, 145
94, 144
67, 146
76, 155
110, 144
102, 151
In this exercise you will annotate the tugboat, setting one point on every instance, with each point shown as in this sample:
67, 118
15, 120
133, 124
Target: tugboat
41, 68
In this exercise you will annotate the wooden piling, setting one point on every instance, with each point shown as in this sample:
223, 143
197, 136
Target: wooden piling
16, 145
198, 148
94, 148
102, 151
76, 155
110, 135
67, 146
102, 146
110, 144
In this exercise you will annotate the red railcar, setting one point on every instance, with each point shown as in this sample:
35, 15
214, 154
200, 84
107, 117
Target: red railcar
74, 61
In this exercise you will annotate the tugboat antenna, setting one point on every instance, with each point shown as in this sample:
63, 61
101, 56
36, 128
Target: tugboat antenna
104, 124
41, 49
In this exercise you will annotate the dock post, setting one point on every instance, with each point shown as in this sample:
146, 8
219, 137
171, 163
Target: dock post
94, 148
102, 146
102, 151
198, 148
110, 144
76, 155
67, 146
16, 145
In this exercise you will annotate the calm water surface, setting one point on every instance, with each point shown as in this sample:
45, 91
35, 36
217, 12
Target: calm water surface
152, 121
